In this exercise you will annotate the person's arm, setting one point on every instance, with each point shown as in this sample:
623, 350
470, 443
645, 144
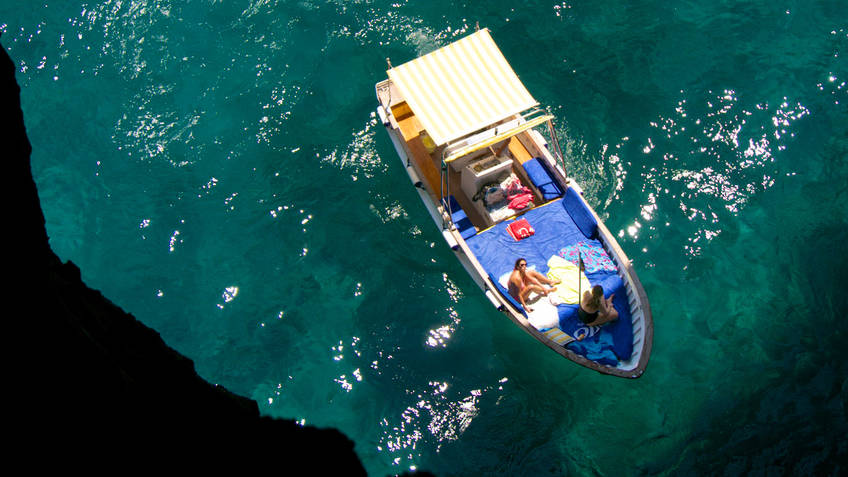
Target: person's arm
606, 305
516, 285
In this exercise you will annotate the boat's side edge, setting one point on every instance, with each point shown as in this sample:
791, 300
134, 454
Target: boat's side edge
518, 318
626, 265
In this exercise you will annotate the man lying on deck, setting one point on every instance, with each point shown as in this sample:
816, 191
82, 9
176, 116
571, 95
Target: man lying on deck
522, 282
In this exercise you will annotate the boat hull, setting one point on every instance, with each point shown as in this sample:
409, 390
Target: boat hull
637, 299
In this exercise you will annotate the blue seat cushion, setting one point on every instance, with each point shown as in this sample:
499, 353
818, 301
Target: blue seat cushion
611, 283
459, 217
580, 214
503, 291
538, 170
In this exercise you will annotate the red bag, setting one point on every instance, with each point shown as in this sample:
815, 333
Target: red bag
515, 189
520, 229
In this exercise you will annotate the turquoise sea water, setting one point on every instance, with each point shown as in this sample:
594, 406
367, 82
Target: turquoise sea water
216, 169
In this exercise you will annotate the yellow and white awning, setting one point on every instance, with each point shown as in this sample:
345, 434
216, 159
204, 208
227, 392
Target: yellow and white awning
462, 87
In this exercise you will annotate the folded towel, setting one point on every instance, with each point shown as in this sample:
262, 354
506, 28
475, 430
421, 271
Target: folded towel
594, 256
544, 314
558, 336
520, 229
567, 273
598, 348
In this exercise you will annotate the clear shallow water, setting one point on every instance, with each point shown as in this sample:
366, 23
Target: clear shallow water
216, 169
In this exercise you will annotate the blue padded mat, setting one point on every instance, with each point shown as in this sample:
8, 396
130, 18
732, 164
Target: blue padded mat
497, 252
616, 337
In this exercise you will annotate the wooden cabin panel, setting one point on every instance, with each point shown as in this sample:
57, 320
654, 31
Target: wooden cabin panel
410, 126
476, 218
401, 110
518, 151
427, 171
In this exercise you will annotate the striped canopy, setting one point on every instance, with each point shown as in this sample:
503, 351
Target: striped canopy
462, 87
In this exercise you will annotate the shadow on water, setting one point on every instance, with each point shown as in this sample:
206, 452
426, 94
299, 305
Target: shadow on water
791, 418
778, 401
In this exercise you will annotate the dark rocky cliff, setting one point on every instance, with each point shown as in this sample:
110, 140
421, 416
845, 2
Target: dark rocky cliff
87, 375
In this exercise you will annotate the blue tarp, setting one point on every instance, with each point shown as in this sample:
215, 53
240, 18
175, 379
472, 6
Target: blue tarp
497, 252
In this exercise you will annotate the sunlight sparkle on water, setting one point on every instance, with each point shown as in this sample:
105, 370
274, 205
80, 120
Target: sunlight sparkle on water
440, 335
228, 295
444, 412
731, 158
173, 241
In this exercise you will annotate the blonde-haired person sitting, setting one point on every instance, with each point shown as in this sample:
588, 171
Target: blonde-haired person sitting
594, 310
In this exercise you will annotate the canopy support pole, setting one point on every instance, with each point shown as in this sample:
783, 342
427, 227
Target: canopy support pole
560, 159
445, 204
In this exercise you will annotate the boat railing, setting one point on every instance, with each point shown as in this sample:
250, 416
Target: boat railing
639, 307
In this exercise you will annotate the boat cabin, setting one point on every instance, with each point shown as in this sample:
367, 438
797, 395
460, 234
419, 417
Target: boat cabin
461, 137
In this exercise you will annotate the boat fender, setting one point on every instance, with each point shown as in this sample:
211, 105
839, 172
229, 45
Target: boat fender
383, 117
495, 302
452, 243
416, 181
